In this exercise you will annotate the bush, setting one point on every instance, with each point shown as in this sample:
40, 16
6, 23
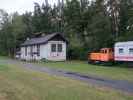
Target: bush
77, 53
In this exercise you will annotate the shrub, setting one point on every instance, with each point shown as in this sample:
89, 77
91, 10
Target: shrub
77, 53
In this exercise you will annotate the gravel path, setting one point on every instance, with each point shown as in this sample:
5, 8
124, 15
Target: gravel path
122, 85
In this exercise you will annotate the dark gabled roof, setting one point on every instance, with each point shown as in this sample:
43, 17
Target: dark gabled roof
41, 40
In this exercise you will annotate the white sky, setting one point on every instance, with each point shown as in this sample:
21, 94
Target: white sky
20, 6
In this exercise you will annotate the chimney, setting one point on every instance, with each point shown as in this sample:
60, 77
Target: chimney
28, 38
43, 34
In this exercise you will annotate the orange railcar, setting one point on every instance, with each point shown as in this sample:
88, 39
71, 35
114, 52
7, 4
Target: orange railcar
105, 55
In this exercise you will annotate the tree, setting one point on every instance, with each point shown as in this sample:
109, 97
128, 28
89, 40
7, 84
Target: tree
126, 20
114, 13
11, 34
99, 28
3, 18
42, 18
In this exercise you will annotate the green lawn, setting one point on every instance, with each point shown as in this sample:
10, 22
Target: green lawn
112, 72
17, 83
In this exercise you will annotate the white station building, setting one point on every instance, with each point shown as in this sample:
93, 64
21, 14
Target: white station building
50, 47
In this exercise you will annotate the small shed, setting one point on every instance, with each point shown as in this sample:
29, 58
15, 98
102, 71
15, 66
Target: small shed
50, 47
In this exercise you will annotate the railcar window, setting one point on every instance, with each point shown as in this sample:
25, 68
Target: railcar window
102, 51
105, 51
121, 51
131, 51
110, 50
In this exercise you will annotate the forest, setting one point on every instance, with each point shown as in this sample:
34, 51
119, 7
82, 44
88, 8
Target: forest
87, 25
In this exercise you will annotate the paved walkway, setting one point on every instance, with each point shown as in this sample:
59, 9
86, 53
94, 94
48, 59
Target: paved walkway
122, 85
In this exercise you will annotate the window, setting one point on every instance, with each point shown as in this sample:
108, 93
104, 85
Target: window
121, 51
111, 50
59, 47
102, 51
53, 47
130, 50
26, 51
31, 50
106, 51
38, 50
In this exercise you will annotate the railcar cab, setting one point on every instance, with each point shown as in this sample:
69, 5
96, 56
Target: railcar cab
107, 54
103, 56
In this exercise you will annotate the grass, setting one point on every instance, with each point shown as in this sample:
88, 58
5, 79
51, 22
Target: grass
112, 72
17, 83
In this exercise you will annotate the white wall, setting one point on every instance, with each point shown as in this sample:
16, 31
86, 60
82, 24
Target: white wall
57, 56
43, 51
126, 55
29, 57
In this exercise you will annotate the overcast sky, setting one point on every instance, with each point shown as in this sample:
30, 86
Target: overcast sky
20, 5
